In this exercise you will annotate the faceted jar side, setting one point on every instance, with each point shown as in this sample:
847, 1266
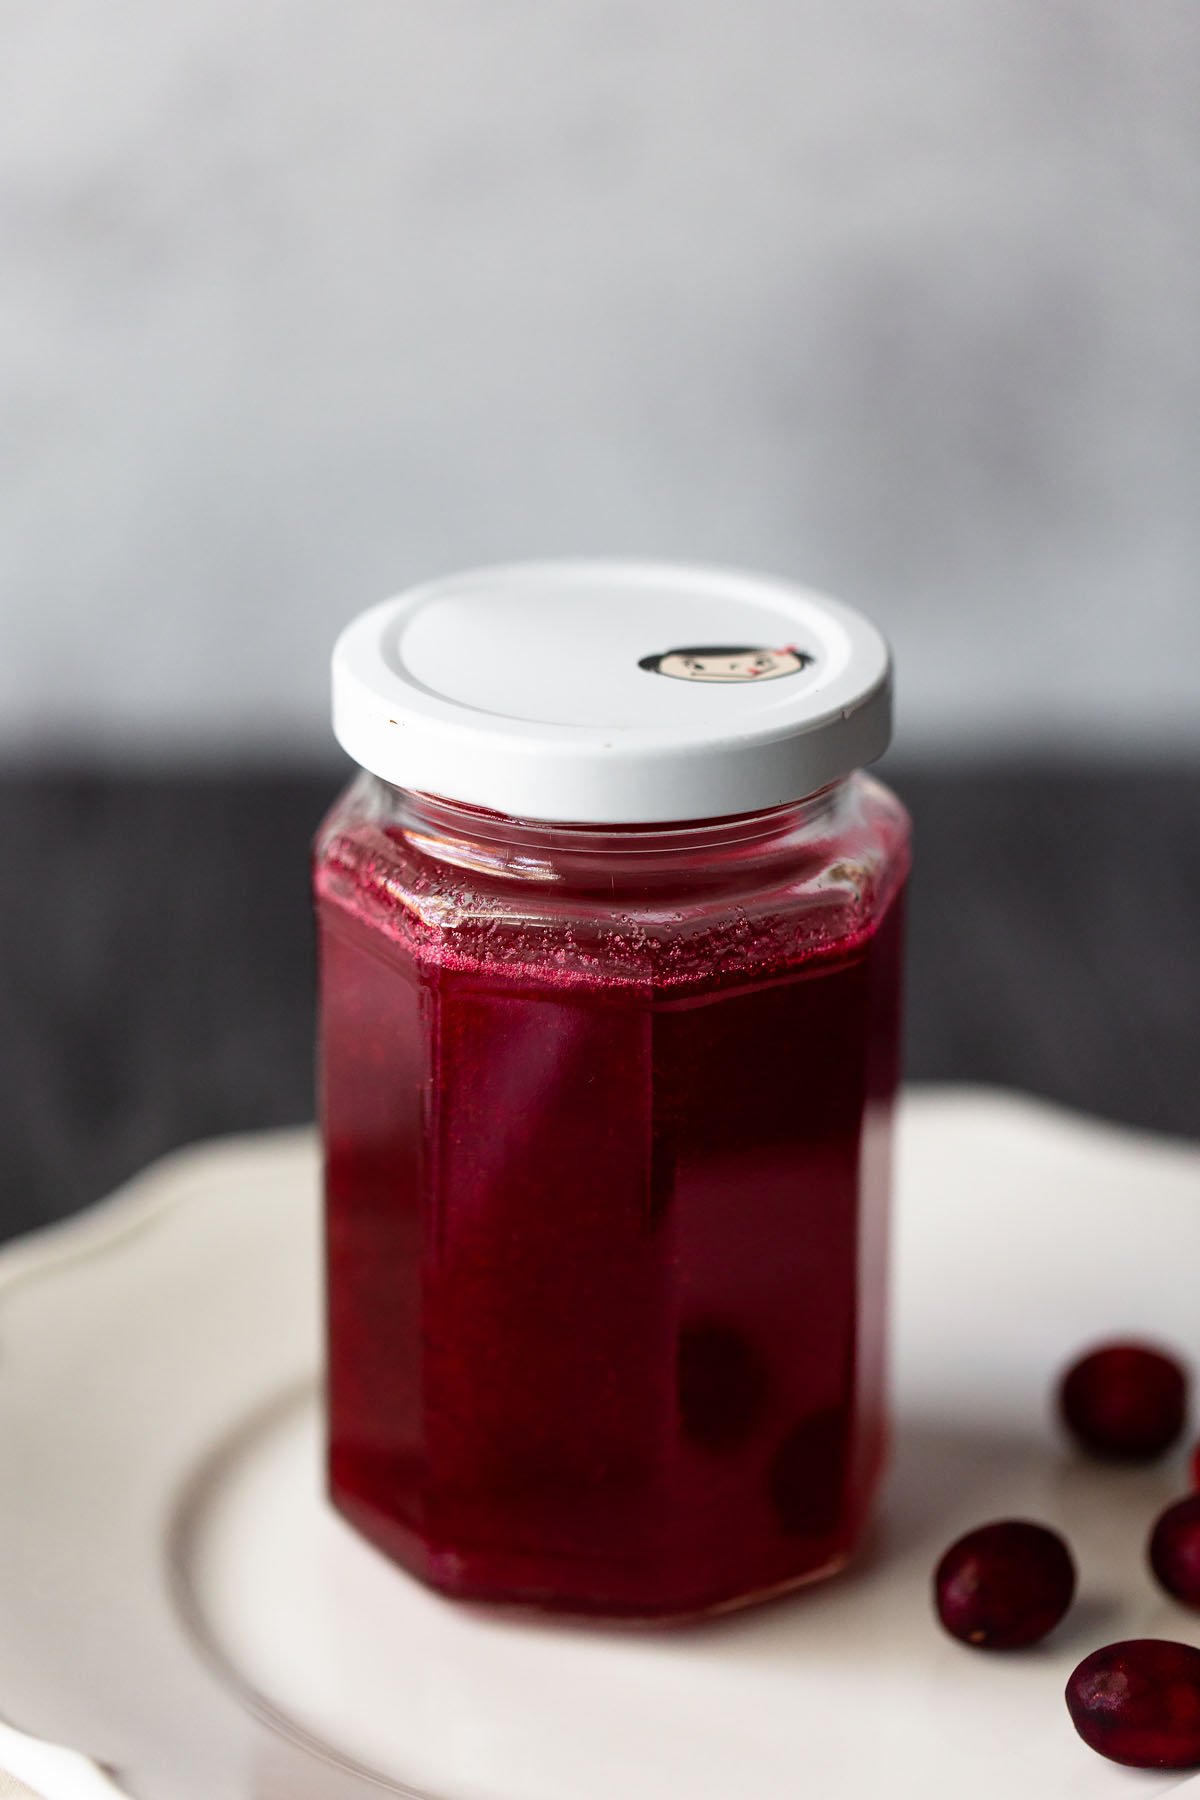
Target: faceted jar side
607, 1182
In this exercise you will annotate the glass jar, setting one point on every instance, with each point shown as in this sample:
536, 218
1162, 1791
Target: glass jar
606, 1103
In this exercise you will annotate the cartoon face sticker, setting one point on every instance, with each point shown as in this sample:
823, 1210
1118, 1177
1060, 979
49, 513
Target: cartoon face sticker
727, 662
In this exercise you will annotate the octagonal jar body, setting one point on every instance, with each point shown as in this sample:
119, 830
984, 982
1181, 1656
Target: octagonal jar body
607, 1115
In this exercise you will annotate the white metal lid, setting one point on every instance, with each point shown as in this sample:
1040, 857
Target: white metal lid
612, 692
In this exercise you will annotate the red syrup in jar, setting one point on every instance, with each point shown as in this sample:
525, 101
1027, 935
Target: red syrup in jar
607, 1178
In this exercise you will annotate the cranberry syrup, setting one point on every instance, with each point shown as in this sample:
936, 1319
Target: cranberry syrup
607, 1183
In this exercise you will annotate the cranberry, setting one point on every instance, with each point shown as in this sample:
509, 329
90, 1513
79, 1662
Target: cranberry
1139, 1703
808, 1474
722, 1385
1004, 1585
1175, 1550
1125, 1402
1196, 1467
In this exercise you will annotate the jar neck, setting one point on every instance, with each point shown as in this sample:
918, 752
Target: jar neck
607, 856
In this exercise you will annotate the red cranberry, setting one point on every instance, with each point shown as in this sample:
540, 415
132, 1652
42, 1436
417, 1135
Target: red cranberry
1125, 1402
1004, 1585
1175, 1550
722, 1385
1139, 1703
1196, 1467
808, 1474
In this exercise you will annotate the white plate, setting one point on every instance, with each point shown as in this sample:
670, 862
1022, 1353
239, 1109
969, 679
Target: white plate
179, 1602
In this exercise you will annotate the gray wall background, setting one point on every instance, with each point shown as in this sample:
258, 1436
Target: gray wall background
301, 301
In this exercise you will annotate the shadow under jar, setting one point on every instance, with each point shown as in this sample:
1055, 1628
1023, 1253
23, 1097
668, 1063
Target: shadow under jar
607, 1104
